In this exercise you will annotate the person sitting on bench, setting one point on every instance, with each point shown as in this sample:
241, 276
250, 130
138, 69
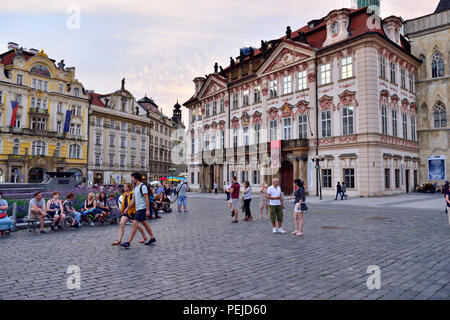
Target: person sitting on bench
37, 210
5, 222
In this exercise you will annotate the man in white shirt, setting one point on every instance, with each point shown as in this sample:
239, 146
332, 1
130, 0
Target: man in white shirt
276, 206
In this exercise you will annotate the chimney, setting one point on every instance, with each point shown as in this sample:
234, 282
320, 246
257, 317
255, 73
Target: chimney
12, 45
33, 51
199, 83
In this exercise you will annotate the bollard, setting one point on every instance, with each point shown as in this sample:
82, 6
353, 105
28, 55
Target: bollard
14, 216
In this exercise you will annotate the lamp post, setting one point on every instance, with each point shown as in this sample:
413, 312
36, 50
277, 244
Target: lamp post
317, 160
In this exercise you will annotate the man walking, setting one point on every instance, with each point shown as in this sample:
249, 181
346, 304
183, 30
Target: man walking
215, 187
344, 191
338, 190
276, 206
181, 190
234, 192
142, 202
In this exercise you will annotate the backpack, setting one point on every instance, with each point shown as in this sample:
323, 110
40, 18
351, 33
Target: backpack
148, 189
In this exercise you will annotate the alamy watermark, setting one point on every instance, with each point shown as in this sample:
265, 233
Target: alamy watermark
74, 19
74, 280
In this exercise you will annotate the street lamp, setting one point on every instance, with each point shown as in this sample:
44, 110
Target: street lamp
317, 160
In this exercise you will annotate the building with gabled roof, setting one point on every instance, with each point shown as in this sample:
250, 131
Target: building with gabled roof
339, 91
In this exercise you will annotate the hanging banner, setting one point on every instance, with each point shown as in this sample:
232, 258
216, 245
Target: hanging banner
67, 121
436, 168
275, 153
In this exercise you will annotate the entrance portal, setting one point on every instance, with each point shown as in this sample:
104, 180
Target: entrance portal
287, 177
36, 175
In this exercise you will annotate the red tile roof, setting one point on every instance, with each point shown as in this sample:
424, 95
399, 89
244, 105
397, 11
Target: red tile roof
95, 99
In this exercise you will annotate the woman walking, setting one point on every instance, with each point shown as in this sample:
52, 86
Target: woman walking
264, 202
300, 208
129, 216
247, 198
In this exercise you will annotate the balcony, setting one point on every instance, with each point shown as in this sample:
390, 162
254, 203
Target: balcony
38, 111
294, 143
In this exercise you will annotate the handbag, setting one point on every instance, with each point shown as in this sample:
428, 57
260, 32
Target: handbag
303, 207
3, 215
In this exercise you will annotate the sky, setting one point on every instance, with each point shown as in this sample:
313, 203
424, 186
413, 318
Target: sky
159, 47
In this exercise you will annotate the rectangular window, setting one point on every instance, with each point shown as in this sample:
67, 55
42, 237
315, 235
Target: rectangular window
235, 138
411, 82
246, 98
347, 120
59, 126
326, 123
97, 159
303, 126
325, 73
256, 95
245, 133
394, 123
255, 177
133, 143
326, 178
132, 161
273, 89
78, 131
257, 133
122, 160
413, 128
287, 129
302, 82
192, 145
287, 84
347, 68
397, 178
207, 110
222, 139
405, 126
34, 84
392, 65
112, 140
222, 105
45, 86
403, 78
273, 128
384, 120
235, 100
98, 139
60, 88
192, 177
72, 129
214, 107
111, 159
59, 107
123, 142
19, 79
383, 67
349, 178
387, 178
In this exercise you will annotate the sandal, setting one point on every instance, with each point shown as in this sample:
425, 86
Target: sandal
116, 243
143, 240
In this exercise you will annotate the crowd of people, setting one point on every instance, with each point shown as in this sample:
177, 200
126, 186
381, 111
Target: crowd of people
271, 201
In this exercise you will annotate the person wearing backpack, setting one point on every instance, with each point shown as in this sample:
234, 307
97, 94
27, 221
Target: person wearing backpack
142, 202
182, 190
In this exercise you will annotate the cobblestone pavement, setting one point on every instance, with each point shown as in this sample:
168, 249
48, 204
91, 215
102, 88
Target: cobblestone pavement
204, 256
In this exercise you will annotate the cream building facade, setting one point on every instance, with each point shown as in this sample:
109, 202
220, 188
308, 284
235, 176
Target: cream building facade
259, 117
430, 41
43, 117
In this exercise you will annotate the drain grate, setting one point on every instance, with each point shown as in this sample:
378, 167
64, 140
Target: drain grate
330, 227
376, 218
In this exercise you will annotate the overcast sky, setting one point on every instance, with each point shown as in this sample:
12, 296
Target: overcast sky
160, 46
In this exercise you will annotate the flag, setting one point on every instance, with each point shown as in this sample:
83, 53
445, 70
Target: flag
14, 105
67, 121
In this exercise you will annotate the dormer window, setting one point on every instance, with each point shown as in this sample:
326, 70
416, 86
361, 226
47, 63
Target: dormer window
76, 92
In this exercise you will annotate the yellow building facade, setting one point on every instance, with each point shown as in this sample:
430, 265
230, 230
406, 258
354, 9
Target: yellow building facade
43, 117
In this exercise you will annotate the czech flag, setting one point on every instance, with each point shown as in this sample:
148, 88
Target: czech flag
14, 105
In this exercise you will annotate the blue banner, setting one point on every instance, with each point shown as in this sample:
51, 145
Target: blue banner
67, 122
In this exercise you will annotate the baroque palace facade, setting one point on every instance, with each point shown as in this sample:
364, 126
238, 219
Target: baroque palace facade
256, 119
430, 42
125, 136
43, 117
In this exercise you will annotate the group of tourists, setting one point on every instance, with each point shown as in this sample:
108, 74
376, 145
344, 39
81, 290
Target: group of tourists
271, 201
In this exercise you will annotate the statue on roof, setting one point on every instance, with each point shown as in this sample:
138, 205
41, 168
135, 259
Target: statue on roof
61, 64
231, 61
216, 67
123, 84
288, 32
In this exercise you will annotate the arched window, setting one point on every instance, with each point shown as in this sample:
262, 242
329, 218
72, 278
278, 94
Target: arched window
58, 150
38, 148
437, 66
440, 116
74, 151
16, 146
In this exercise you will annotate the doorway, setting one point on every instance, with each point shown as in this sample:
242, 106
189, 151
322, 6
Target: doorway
407, 180
287, 177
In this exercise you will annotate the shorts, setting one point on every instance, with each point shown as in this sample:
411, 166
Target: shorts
130, 216
51, 214
235, 204
297, 208
182, 200
276, 214
140, 215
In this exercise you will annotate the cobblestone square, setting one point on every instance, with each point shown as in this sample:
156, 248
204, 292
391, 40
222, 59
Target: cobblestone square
202, 255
